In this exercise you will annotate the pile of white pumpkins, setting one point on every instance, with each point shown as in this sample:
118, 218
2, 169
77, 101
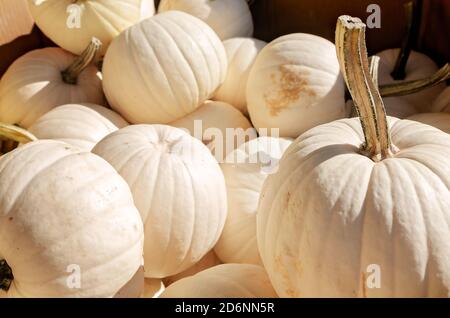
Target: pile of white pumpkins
111, 194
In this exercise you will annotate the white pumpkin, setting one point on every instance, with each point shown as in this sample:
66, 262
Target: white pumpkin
442, 102
134, 288
178, 188
33, 85
81, 125
228, 18
218, 125
68, 223
241, 54
438, 120
153, 288
224, 281
419, 66
295, 85
163, 68
345, 216
15, 20
209, 260
72, 24
245, 171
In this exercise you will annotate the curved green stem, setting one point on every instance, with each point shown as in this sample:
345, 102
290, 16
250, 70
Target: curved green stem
413, 17
16, 133
70, 74
411, 87
6, 275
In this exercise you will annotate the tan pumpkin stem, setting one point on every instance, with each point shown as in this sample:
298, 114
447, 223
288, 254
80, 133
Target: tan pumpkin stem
411, 87
70, 74
352, 56
15, 133
374, 62
6, 275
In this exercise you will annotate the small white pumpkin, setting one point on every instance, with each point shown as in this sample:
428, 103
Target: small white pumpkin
224, 281
241, 54
72, 24
15, 20
228, 18
178, 188
438, 120
419, 66
354, 213
65, 213
442, 102
153, 288
209, 260
163, 68
218, 125
295, 85
34, 84
81, 125
245, 171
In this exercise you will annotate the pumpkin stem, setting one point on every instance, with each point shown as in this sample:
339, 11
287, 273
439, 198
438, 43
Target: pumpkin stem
411, 87
70, 74
15, 133
6, 275
413, 17
374, 62
352, 55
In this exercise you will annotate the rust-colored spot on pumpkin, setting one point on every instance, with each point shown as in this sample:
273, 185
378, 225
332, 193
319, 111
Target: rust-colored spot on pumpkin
290, 85
11, 218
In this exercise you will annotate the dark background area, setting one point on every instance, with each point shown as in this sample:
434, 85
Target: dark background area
274, 18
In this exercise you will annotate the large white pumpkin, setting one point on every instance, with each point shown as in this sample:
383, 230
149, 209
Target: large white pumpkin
442, 102
66, 217
81, 125
241, 54
72, 24
209, 260
178, 188
228, 18
419, 66
438, 120
33, 85
245, 171
163, 68
295, 85
224, 281
218, 125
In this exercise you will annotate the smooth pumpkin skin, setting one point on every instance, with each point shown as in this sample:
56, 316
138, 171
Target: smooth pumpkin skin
241, 54
103, 19
224, 281
438, 120
329, 212
60, 206
419, 66
245, 171
163, 68
218, 117
208, 261
16, 20
33, 85
295, 84
81, 125
153, 288
228, 18
442, 102
178, 188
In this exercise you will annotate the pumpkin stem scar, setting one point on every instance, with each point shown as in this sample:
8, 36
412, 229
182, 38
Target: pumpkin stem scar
16, 133
352, 55
6, 275
413, 11
71, 73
